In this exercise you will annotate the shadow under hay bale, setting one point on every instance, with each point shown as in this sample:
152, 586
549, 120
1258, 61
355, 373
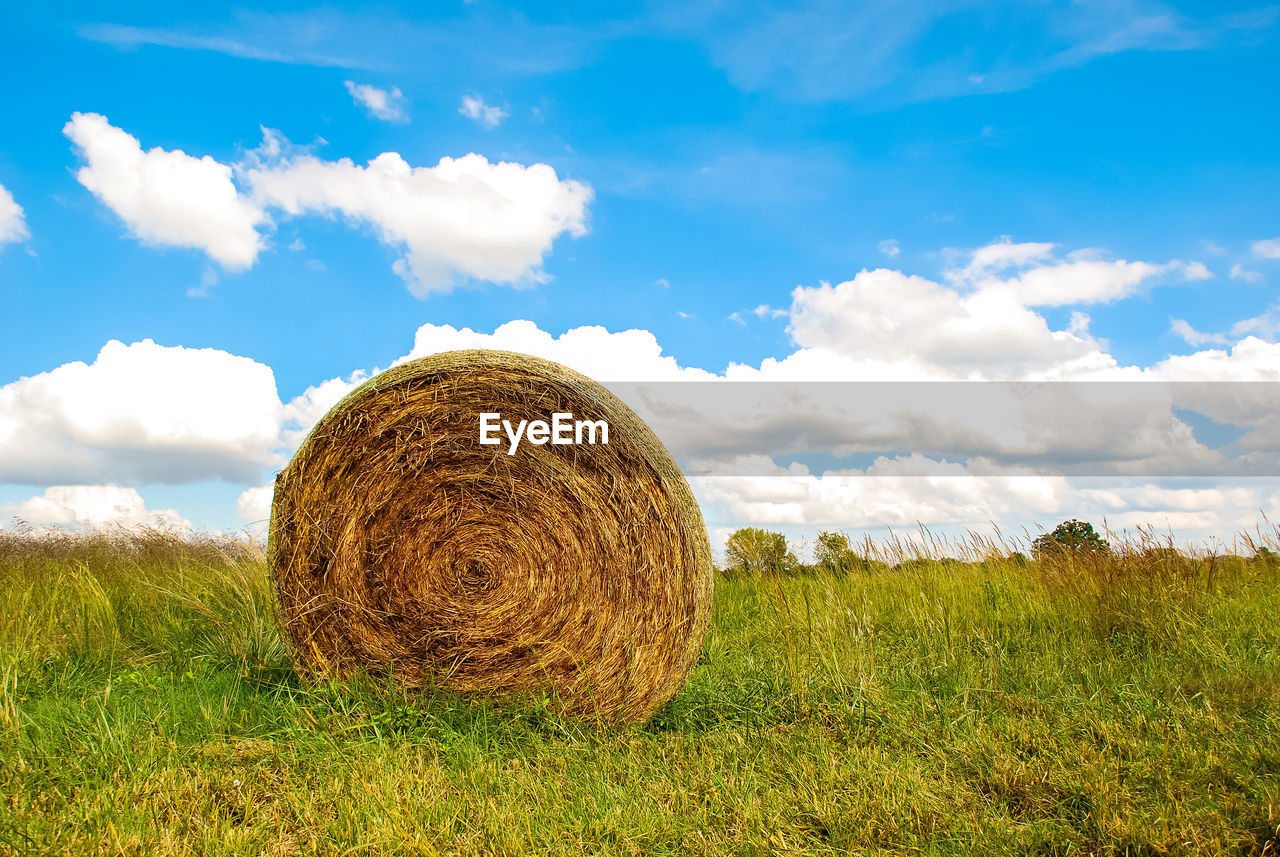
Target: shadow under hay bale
400, 543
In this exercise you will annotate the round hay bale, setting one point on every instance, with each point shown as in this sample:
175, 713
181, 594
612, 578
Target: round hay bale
400, 543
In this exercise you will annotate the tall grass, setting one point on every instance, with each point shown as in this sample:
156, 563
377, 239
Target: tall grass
947, 697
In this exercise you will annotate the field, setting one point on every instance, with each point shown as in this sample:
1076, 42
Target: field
1127, 704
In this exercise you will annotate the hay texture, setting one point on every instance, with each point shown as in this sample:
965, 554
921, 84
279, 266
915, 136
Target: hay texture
399, 543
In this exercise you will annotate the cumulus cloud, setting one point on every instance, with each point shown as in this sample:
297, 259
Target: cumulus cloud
464, 217
91, 507
167, 197
627, 355
886, 325
108, 421
473, 107
1267, 249
906, 491
889, 247
13, 223
141, 413
254, 504
1250, 359
305, 410
980, 323
385, 104
1119, 428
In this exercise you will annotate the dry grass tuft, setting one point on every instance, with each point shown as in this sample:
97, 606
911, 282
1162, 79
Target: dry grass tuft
401, 544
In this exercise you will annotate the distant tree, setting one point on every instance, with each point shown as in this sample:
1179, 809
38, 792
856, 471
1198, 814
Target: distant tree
1019, 559
1070, 538
1266, 557
834, 554
755, 551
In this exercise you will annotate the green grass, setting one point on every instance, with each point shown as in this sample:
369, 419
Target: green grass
1126, 705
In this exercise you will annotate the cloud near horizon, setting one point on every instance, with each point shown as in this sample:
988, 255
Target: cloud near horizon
80, 507
119, 421
141, 413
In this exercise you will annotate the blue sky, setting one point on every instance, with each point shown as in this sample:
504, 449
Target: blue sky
708, 160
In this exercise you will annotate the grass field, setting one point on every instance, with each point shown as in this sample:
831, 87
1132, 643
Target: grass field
1127, 705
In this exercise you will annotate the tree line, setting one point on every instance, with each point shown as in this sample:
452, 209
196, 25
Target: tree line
754, 551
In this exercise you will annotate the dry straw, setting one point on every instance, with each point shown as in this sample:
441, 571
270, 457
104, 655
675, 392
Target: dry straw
400, 543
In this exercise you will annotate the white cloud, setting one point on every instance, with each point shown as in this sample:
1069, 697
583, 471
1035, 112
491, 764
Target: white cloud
386, 104
889, 247
167, 197
883, 324
898, 492
1264, 326
1250, 359
13, 224
473, 107
91, 506
894, 490
1238, 272
1085, 281
306, 409
254, 504
627, 355
134, 416
464, 217
141, 413
1267, 249
630, 355
1002, 423
1042, 280
999, 256
905, 492
1194, 337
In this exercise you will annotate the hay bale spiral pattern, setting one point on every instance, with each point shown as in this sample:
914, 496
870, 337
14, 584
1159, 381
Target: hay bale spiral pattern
398, 542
